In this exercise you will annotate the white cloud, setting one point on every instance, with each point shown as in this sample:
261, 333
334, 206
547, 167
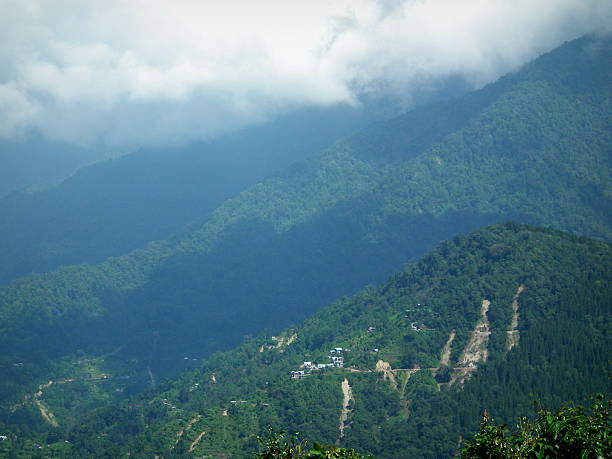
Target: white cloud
16, 109
135, 72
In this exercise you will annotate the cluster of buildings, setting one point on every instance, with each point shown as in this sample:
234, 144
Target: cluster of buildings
336, 355
167, 403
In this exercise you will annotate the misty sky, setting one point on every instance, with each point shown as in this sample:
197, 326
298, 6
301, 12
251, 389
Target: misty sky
130, 73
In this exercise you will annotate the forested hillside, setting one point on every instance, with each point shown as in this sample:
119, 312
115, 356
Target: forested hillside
119, 205
33, 163
494, 320
533, 147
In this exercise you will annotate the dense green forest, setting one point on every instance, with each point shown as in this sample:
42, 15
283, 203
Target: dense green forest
496, 320
533, 147
119, 205
572, 431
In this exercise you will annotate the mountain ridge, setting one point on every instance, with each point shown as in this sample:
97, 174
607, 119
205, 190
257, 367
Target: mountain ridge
286, 247
118, 205
403, 400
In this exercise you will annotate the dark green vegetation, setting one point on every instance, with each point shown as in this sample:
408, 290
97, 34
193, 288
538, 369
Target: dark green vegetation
534, 147
120, 205
281, 446
570, 432
493, 320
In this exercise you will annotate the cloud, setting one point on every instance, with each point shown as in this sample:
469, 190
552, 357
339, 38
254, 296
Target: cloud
16, 109
127, 73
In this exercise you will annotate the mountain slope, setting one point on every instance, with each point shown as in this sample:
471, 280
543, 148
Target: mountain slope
534, 146
33, 163
120, 205
423, 355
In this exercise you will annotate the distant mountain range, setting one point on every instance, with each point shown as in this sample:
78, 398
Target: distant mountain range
32, 163
533, 147
119, 205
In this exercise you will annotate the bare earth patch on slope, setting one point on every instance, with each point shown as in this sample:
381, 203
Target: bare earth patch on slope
36, 397
512, 335
446, 350
280, 341
189, 425
347, 397
194, 444
387, 372
476, 350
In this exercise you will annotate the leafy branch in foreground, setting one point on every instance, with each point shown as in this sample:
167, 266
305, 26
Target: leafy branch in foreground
280, 446
571, 432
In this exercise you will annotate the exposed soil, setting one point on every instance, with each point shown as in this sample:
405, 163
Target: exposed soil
186, 428
476, 350
347, 397
45, 413
280, 343
512, 335
446, 350
151, 377
196, 441
385, 367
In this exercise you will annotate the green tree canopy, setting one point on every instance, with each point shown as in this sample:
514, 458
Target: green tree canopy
570, 432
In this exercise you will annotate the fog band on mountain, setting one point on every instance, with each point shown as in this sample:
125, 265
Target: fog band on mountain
141, 73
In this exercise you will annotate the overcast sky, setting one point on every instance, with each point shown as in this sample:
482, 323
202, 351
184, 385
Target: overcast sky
130, 73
